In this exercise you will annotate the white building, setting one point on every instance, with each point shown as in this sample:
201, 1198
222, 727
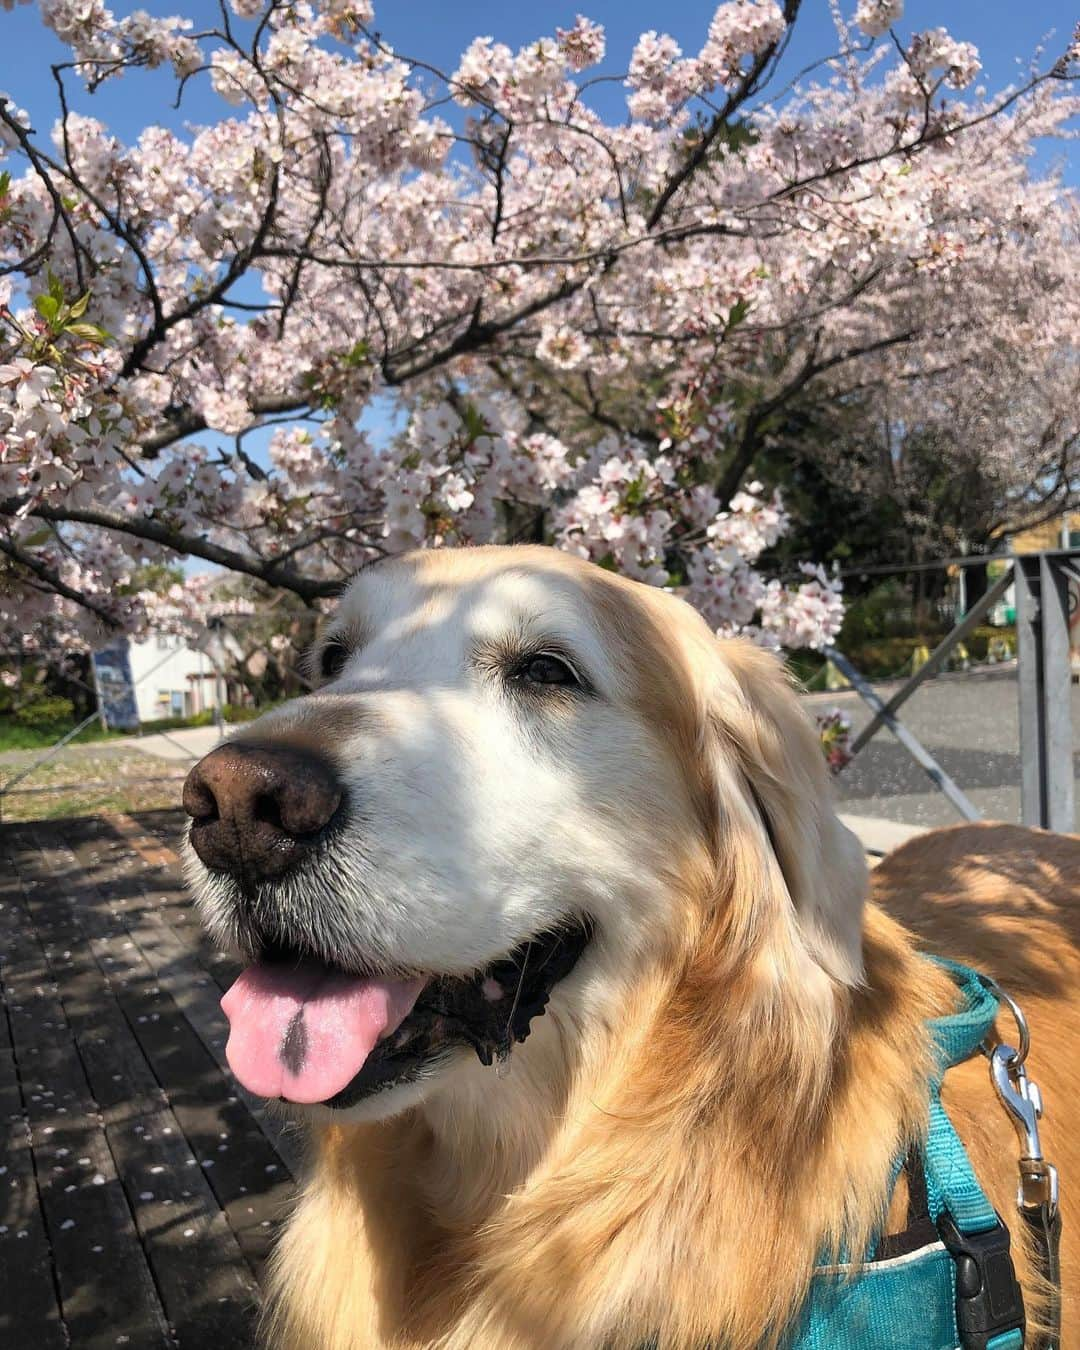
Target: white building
172, 679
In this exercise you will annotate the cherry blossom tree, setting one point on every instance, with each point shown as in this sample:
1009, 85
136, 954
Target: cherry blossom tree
584, 330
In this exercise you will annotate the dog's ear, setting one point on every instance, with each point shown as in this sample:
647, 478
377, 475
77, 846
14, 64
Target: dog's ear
777, 821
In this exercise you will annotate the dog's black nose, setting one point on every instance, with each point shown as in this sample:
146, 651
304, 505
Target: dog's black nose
256, 810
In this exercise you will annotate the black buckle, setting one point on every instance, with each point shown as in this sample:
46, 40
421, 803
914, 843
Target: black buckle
988, 1297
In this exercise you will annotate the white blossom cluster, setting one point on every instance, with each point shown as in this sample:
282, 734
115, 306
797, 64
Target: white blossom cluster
576, 324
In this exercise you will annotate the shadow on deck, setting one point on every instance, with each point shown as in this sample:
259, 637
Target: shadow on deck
140, 1189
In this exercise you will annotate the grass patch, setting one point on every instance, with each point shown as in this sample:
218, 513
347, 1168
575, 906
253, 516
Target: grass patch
84, 782
17, 735
14, 736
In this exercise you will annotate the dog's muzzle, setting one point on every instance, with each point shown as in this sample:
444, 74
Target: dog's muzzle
257, 810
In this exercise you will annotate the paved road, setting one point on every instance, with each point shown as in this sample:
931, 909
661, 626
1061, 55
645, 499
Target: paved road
184, 746
970, 724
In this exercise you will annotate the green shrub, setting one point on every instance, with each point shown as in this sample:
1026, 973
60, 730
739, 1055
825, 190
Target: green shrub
199, 719
892, 656
804, 665
16, 737
243, 712
230, 712
884, 612
45, 712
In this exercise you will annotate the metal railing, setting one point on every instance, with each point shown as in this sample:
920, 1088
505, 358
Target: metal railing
1041, 582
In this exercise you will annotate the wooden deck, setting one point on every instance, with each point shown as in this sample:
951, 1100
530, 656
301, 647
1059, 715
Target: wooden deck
139, 1187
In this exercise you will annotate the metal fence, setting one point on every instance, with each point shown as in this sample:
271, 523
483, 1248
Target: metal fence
1045, 585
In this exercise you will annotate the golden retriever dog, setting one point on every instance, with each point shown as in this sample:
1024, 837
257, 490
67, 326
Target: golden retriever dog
559, 949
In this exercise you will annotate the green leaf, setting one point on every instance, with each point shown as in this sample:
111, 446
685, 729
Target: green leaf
88, 332
78, 309
357, 355
635, 492
5, 183
56, 287
739, 310
475, 426
47, 306
734, 137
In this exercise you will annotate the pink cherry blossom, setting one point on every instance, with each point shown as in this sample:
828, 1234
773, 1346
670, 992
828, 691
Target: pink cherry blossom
875, 17
589, 330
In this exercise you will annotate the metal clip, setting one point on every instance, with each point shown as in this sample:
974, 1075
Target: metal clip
1022, 1100
1020, 1097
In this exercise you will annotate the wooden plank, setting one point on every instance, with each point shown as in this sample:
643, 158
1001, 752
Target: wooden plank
29, 1298
250, 1180
163, 877
205, 1285
105, 1286
120, 1078
111, 842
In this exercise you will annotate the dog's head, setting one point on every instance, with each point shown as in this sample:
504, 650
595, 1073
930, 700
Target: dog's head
520, 779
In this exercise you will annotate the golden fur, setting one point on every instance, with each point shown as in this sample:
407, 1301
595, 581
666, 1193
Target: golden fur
674, 1168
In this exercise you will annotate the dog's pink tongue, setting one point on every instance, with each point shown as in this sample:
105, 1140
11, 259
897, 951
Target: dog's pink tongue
303, 1033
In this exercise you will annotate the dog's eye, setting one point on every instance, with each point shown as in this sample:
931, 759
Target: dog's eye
544, 668
333, 658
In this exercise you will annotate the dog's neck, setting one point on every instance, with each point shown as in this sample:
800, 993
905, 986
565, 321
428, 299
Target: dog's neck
707, 1142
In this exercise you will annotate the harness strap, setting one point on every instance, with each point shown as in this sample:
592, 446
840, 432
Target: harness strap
956, 1038
950, 1180
989, 1304
919, 1228
959, 1035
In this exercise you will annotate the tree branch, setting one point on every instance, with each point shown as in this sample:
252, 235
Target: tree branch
54, 581
749, 442
180, 422
745, 89
154, 531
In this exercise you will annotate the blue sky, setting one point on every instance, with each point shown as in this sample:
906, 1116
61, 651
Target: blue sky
1006, 33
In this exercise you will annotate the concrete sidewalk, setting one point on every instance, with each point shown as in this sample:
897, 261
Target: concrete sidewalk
970, 724
185, 743
879, 836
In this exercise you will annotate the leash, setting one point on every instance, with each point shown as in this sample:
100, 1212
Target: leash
1037, 1193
